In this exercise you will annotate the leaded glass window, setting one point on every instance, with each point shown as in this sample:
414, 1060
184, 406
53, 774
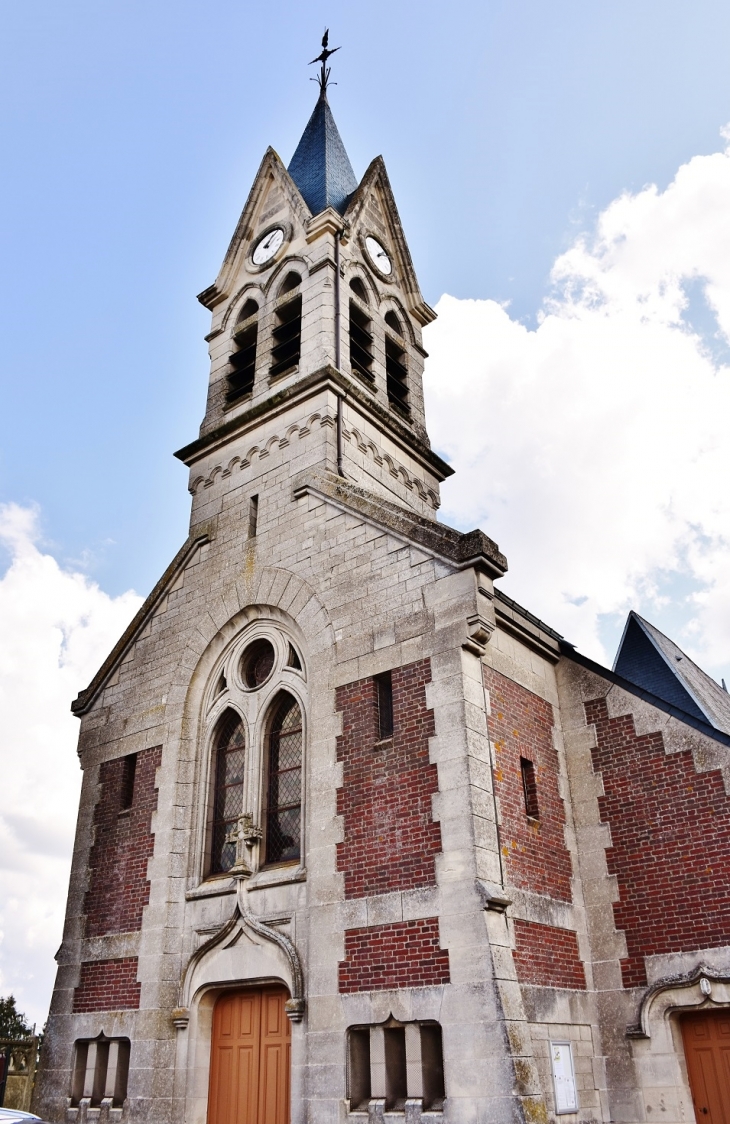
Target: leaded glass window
284, 798
230, 752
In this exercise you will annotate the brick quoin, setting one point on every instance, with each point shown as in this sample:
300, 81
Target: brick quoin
670, 827
385, 957
385, 799
548, 956
108, 985
123, 844
521, 725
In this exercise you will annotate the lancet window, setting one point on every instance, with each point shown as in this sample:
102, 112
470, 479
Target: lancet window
256, 715
230, 756
243, 359
284, 783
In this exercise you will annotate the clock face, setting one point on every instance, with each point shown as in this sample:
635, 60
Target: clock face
378, 256
267, 247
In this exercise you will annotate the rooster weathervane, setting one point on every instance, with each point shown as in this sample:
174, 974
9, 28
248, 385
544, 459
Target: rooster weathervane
322, 78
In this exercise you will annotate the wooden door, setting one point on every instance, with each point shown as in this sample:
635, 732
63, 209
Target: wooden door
706, 1038
250, 1058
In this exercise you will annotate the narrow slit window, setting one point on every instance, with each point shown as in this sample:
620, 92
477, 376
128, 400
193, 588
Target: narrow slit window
230, 753
129, 769
384, 690
529, 788
396, 1070
432, 1066
284, 797
359, 1082
253, 516
361, 343
243, 359
396, 373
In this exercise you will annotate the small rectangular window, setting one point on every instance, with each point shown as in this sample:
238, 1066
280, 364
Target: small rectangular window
566, 1094
395, 1062
253, 516
101, 1070
129, 769
529, 788
384, 689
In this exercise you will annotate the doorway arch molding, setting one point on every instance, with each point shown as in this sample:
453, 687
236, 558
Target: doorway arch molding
703, 987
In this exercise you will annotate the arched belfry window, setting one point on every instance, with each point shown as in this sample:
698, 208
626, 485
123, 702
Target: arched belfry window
243, 358
230, 753
284, 783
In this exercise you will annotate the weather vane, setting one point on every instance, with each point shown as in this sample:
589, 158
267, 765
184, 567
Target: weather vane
323, 77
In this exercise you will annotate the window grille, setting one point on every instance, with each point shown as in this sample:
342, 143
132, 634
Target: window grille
230, 755
101, 1070
394, 1063
529, 788
284, 803
243, 359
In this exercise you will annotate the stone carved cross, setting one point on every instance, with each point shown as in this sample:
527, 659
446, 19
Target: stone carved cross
245, 835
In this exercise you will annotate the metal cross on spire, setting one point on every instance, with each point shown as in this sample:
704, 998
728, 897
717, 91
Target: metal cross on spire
323, 77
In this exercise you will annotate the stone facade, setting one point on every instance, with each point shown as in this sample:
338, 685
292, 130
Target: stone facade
507, 863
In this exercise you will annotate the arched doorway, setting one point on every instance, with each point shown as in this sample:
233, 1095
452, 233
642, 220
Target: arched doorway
706, 1037
250, 1059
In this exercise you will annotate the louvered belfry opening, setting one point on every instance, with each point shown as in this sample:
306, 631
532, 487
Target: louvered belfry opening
230, 750
361, 335
284, 797
243, 359
287, 334
396, 370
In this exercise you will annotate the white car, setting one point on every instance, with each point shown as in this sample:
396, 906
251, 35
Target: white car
15, 1116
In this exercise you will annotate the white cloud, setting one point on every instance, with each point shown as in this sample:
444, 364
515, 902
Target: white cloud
56, 628
595, 448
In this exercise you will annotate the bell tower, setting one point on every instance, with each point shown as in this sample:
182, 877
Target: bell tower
315, 345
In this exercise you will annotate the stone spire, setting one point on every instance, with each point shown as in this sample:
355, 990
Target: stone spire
320, 167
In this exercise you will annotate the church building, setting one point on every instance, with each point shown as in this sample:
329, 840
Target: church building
360, 838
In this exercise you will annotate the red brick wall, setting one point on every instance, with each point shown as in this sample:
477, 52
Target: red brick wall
547, 956
108, 985
405, 954
669, 828
123, 843
521, 725
385, 799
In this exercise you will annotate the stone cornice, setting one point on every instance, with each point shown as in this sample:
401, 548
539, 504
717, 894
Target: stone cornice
473, 548
332, 379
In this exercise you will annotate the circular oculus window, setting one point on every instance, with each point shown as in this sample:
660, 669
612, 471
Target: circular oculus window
257, 663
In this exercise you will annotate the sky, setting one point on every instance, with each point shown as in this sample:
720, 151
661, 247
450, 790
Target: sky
562, 176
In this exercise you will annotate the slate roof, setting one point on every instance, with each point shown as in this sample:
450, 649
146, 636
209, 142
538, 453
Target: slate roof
651, 660
320, 167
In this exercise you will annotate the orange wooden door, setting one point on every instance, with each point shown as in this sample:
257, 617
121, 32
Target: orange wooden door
706, 1038
250, 1058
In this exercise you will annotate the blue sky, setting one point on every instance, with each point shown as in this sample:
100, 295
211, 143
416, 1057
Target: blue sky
564, 183
131, 134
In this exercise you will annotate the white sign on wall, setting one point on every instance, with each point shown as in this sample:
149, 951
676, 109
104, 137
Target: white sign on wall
566, 1095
